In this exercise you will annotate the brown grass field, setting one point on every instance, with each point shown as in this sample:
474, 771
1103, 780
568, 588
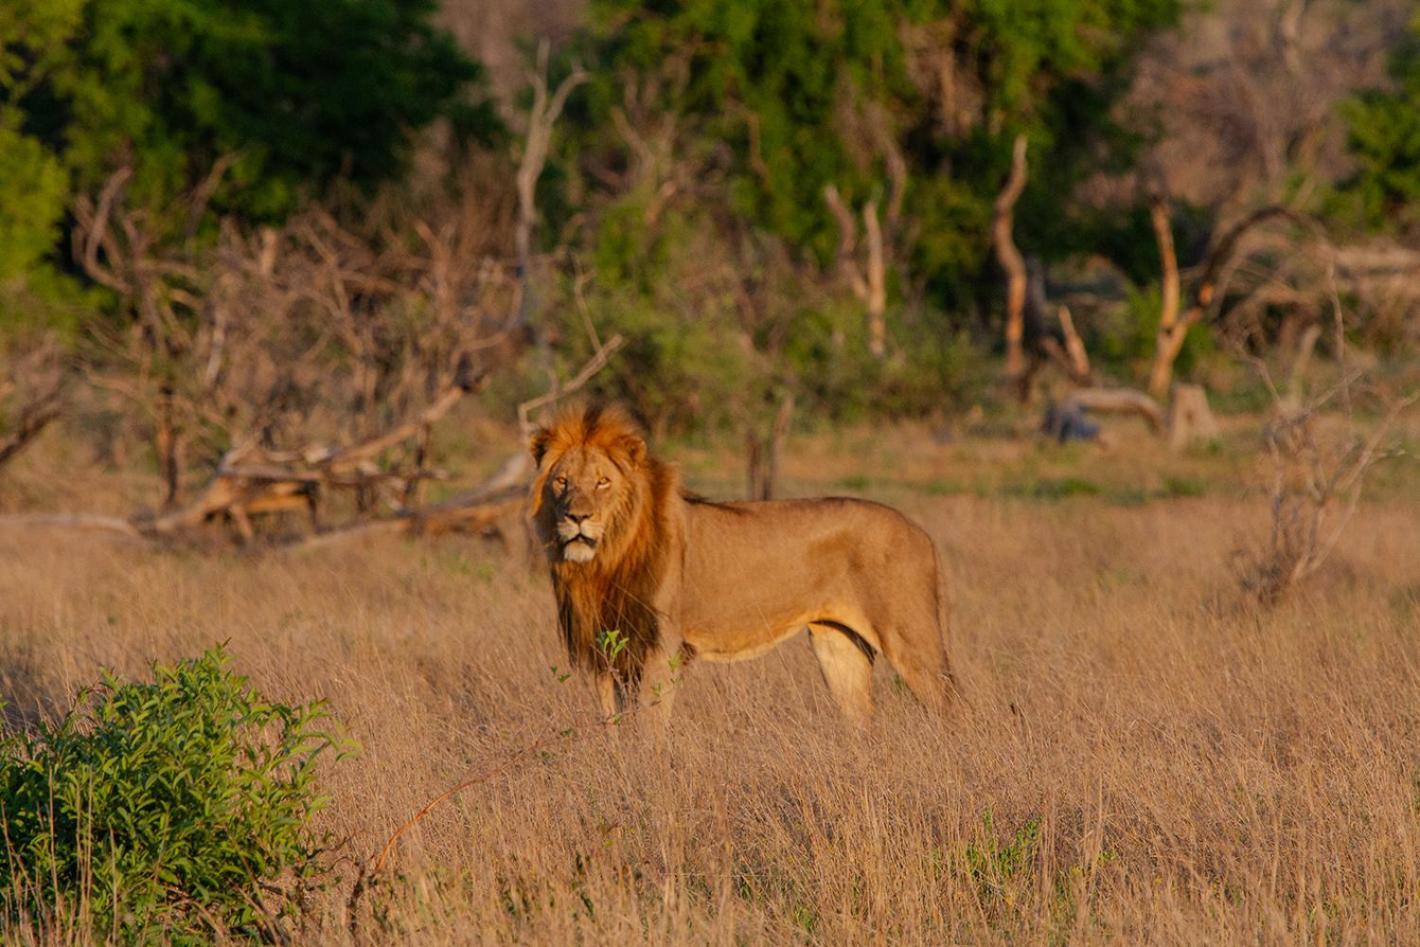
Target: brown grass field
1143, 760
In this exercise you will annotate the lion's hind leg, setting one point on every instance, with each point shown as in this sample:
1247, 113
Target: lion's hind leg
920, 659
847, 664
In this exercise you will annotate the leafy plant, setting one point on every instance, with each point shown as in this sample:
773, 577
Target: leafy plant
996, 866
612, 644
1384, 191
764, 103
180, 807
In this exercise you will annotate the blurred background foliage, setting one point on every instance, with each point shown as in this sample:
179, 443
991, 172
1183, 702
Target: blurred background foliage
684, 200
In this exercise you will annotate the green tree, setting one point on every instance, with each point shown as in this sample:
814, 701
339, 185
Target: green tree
1385, 141
33, 183
300, 94
787, 97
739, 114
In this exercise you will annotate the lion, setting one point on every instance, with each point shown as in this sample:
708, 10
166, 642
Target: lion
648, 577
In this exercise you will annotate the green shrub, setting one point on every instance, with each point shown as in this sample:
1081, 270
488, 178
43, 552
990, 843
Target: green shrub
1383, 192
165, 809
1000, 868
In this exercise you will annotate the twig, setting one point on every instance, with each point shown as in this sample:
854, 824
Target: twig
1339, 322
593, 365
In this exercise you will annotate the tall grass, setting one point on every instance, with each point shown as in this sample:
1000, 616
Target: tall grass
1141, 762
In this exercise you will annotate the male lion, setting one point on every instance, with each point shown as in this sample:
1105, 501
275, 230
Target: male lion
648, 577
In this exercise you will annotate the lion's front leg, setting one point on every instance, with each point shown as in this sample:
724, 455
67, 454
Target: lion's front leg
611, 694
661, 675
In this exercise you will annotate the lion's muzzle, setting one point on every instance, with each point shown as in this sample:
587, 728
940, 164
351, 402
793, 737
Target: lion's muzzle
580, 536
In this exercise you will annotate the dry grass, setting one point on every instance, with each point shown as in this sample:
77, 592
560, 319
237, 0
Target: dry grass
1142, 762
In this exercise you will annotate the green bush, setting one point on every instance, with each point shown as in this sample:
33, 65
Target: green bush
1384, 191
302, 95
770, 100
179, 808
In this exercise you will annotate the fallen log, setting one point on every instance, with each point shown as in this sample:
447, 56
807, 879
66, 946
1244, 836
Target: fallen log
492, 506
1119, 401
91, 521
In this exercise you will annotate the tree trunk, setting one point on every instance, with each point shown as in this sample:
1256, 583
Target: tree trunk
1013, 264
1171, 331
877, 288
167, 445
1190, 418
762, 454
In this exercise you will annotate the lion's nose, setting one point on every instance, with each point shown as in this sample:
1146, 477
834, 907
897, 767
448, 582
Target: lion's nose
576, 517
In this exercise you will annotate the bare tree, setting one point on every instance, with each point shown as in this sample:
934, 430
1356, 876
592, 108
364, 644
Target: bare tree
1321, 455
867, 280
1170, 334
762, 451
1317, 478
1014, 266
542, 116
31, 397
1205, 295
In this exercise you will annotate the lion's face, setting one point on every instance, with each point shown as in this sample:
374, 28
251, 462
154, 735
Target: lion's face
584, 490
590, 485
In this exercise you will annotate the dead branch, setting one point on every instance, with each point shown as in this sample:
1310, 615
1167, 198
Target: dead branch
868, 283
89, 521
1070, 354
1012, 263
560, 391
250, 481
877, 287
36, 382
542, 116
1297, 376
93, 233
1118, 401
1204, 294
1170, 335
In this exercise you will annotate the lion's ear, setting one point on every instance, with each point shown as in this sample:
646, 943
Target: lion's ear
538, 444
633, 447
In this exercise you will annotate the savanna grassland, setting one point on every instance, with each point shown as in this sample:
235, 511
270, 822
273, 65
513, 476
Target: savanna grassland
1142, 758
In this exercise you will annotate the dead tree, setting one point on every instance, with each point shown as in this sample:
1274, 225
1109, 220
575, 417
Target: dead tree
34, 392
117, 248
495, 505
1205, 294
542, 116
1170, 335
235, 344
1319, 467
762, 451
1013, 264
1317, 478
867, 280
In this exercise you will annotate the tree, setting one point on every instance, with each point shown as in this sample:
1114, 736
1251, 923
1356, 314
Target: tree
759, 109
299, 94
33, 184
1385, 142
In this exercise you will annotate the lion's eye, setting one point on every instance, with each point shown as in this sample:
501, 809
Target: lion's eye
560, 482
603, 483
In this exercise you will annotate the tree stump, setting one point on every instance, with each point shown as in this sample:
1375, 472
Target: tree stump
1190, 418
